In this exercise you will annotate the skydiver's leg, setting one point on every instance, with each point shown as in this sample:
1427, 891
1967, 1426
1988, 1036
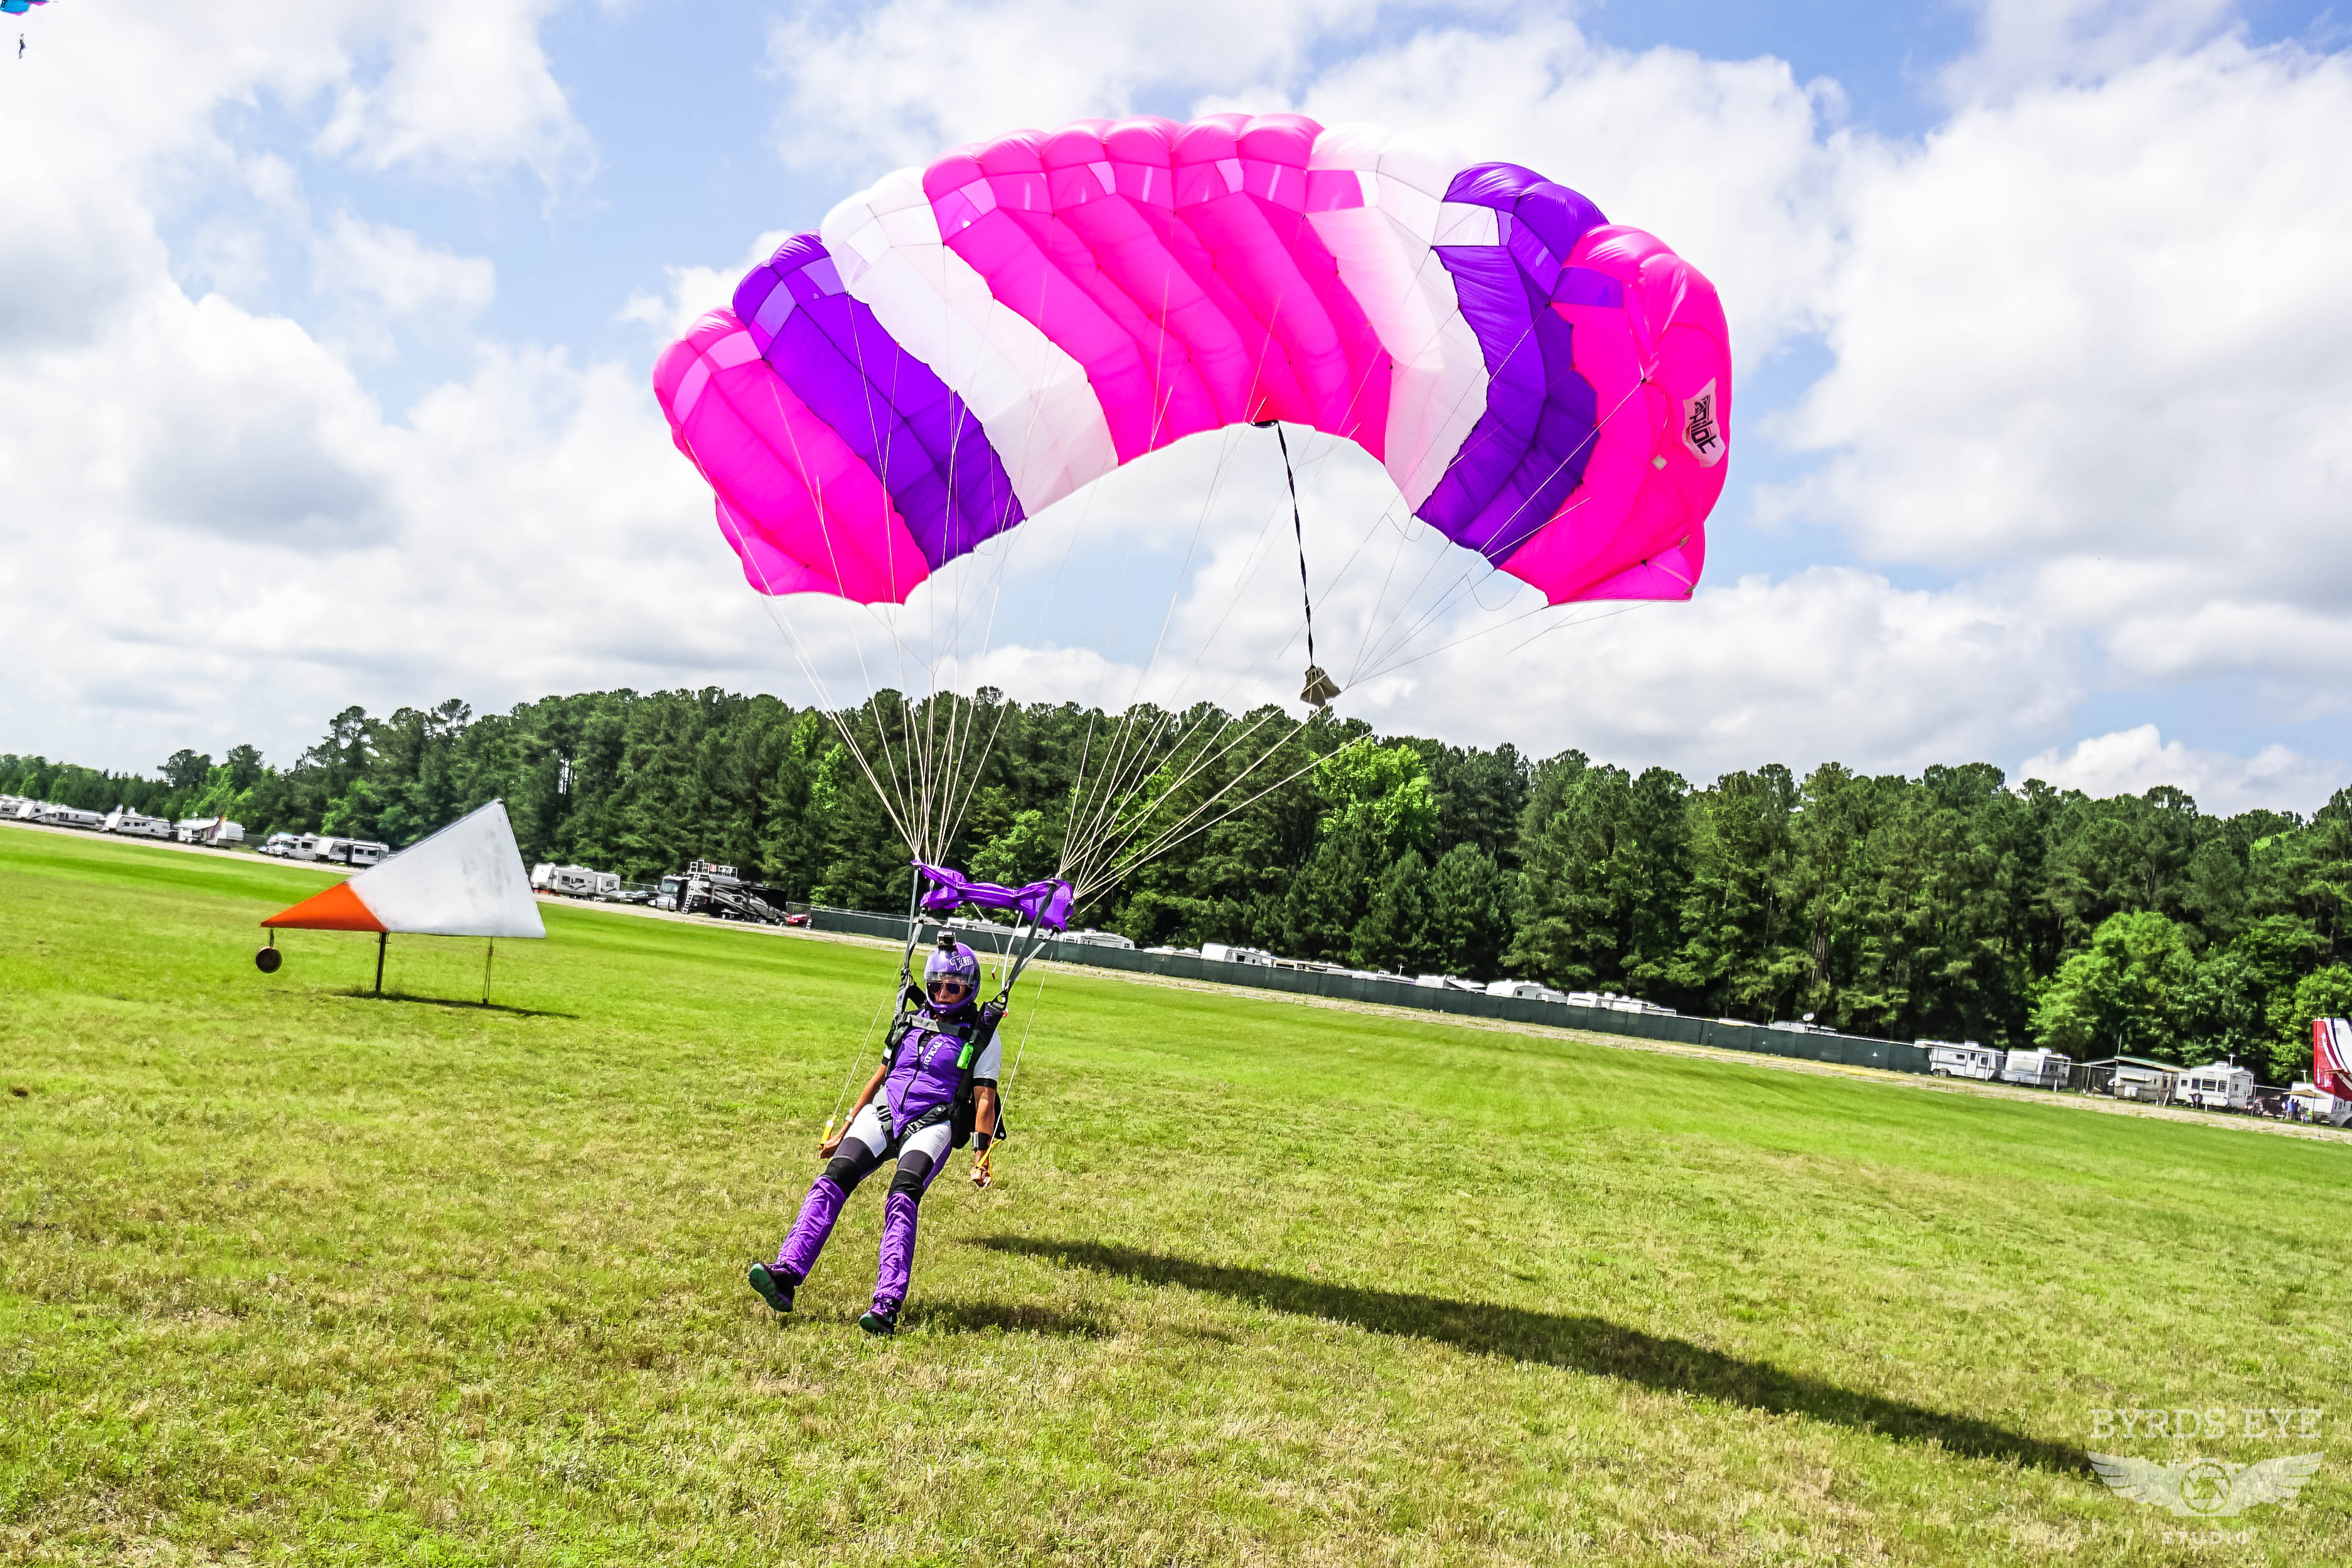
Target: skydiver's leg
921, 1160
862, 1150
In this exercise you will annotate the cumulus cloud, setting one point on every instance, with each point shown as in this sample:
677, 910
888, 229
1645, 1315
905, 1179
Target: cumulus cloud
2085, 345
892, 84
2101, 329
695, 290
401, 273
2131, 761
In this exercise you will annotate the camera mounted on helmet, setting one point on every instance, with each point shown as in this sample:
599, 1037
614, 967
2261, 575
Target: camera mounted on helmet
950, 976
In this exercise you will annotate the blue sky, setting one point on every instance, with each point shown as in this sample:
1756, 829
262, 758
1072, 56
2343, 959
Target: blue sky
334, 328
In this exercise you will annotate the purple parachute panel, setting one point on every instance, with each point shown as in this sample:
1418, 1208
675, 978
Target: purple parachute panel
964, 345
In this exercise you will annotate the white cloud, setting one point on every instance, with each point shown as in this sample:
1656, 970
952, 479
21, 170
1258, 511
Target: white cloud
402, 274
695, 290
2132, 761
895, 83
2100, 333
466, 87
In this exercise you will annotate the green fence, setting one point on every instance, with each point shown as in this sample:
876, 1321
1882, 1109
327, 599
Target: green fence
1852, 1050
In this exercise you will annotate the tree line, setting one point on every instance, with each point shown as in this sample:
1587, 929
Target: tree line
1950, 905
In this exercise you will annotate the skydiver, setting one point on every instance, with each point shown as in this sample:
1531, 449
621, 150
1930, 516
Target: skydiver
937, 1080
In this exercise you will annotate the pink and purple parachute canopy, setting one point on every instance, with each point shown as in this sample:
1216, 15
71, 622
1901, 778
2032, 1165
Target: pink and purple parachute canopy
962, 346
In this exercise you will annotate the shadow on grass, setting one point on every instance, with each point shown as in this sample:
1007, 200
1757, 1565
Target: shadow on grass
366, 995
997, 1317
1557, 1339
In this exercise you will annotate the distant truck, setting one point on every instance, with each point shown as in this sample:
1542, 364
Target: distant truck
1223, 954
1963, 1059
2043, 1068
710, 889
2217, 1086
131, 824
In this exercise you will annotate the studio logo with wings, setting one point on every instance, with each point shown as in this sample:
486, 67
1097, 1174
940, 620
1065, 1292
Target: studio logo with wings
2206, 1488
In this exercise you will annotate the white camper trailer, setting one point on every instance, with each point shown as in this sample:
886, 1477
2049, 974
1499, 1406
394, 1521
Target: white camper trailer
575, 880
70, 817
281, 845
2217, 1086
361, 853
1963, 1059
2043, 1068
1227, 955
131, 825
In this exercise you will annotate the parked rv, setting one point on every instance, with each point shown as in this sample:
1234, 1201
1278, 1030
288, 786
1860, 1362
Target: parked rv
282, 845
215, 830
358, 852
2043, 1068
575, 881
1962, 1059
1227, 955
1094, 938
126, 821
1526, 990
70, 817
2217, 1086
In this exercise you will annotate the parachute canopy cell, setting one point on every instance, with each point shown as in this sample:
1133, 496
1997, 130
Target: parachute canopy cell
960, 347
18, 7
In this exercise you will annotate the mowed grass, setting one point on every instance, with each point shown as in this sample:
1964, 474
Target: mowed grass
290, 1273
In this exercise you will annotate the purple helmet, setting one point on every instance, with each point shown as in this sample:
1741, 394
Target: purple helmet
952, 969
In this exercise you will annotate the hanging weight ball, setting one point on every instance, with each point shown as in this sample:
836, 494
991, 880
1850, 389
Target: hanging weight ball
267, 960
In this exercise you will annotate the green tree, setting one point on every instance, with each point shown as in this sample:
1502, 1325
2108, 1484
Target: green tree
2129, 994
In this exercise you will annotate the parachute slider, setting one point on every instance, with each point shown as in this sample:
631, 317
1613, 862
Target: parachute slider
1320, 688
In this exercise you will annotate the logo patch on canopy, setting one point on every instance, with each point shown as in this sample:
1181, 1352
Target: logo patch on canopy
1701, 432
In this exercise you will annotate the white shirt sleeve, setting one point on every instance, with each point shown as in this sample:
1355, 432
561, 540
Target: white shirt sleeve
990, 1060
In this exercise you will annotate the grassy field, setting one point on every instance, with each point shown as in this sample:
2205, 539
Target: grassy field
290, 1273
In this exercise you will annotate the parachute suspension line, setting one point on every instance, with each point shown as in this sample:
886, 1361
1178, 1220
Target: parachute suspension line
1092, 810
1170, 840
1393, 640
1096, 817
1319, 689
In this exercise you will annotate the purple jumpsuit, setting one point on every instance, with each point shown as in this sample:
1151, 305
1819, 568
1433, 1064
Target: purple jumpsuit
912, 1121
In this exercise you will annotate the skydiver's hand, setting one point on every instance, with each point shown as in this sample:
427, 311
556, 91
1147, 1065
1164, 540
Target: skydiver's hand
981, 1177
825, 1150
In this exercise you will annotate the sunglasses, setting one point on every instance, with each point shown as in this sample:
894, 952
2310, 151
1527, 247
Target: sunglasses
949, 989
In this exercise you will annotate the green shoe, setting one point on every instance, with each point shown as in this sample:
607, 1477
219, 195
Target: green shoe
775, 1286
880, 1322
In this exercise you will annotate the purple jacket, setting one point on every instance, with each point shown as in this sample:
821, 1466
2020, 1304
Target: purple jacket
923, 1072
